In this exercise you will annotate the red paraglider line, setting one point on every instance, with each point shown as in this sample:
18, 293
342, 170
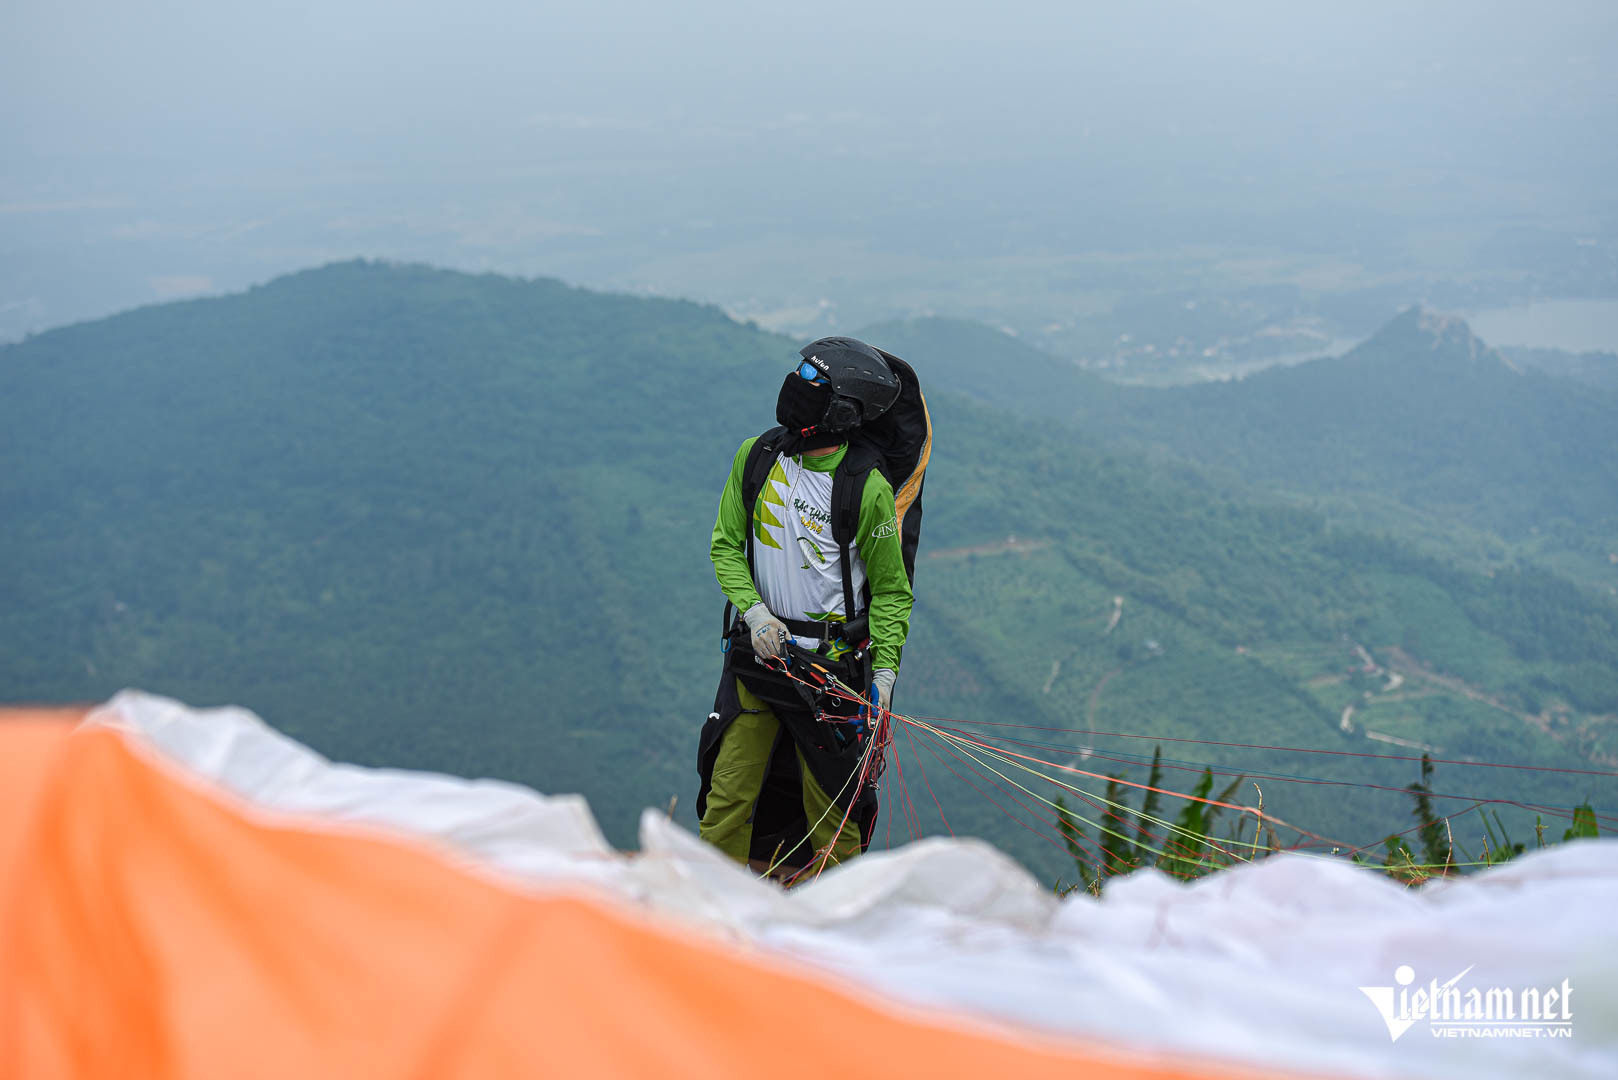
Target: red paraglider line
973, 739
967, 759
911, 733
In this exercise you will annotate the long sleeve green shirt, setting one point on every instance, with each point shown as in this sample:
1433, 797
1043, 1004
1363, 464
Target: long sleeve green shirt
876, 542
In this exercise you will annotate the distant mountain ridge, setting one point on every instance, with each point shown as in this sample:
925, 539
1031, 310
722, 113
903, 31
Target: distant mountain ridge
1423, 414
990, 365
1423, 411
1433, 341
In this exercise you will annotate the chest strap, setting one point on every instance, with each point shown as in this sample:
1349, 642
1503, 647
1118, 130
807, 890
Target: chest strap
856, 632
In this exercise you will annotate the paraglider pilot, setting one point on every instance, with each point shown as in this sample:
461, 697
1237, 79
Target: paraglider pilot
807, 546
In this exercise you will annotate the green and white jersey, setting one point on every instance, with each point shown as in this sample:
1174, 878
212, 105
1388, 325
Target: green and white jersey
798, 573
795, 564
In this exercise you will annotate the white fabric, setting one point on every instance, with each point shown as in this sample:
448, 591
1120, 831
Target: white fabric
1259, 964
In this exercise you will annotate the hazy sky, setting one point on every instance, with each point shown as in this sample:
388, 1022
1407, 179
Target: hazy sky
157, 148
184, 81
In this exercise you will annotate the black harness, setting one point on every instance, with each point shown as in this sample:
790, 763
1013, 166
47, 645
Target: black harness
813, 719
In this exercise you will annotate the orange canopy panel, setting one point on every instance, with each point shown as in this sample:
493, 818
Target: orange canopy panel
151, 926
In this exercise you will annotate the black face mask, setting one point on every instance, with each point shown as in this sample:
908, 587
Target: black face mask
806, 405
802, 404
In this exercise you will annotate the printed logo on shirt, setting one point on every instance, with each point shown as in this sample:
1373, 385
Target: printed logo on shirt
813, 517
812, 555
886, 529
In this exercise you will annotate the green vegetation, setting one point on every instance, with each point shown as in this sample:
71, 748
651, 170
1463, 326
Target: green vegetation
1239, 622
1442, 856
1422, 412
432, 520
1129, 839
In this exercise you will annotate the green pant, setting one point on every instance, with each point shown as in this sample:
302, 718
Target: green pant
738, 778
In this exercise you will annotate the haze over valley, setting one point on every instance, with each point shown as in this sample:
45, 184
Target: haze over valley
1163, 194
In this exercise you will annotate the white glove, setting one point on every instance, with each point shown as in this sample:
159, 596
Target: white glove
882, 680
769, 634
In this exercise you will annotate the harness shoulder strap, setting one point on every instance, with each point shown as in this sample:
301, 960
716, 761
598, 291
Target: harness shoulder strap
757, 471
847, 488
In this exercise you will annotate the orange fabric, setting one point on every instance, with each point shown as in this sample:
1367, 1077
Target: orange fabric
30, 742
151, 927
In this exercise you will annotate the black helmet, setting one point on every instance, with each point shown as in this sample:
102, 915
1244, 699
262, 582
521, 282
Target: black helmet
863, 386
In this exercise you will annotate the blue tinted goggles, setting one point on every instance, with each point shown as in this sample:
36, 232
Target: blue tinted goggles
809, 373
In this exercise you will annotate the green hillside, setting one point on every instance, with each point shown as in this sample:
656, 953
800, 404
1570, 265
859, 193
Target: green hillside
1423, 412
442, 521
1423, 430
1245, 622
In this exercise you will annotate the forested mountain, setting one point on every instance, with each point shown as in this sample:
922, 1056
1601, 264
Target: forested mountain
1424, 412
1422, 429
443, 521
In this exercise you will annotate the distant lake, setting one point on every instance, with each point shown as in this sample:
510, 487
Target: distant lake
1574, 325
